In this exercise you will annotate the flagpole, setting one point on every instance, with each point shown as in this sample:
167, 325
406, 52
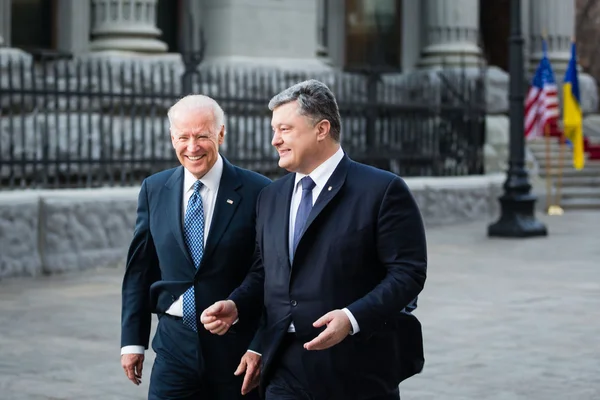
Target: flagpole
561, 156
517, 204
549, 169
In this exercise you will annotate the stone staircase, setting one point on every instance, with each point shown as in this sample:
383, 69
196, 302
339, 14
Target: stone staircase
580, 189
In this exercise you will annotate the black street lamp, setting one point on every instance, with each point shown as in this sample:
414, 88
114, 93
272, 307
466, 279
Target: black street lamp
517, 204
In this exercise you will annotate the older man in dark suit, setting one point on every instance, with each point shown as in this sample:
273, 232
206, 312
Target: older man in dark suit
194, 243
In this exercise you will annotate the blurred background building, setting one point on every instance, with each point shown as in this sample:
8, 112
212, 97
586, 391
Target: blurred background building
422, 84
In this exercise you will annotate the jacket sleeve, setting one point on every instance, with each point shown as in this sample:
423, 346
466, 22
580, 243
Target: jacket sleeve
249, 296
402, 250
142, 269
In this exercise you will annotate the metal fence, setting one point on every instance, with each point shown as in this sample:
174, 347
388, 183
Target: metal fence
94, 121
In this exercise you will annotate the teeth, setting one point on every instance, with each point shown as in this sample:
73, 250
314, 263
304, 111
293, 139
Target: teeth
194, 158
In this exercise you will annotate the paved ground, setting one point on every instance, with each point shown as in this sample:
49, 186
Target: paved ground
503, 320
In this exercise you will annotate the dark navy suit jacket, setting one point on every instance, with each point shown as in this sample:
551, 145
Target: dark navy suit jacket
159, 267
363, 248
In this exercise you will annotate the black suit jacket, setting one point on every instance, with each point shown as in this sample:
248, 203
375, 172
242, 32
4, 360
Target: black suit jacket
363, 248
159, 268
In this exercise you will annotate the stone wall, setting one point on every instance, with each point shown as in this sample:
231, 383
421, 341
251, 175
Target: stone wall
47, 232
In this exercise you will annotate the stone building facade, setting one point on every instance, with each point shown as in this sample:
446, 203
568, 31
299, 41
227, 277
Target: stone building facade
405, 36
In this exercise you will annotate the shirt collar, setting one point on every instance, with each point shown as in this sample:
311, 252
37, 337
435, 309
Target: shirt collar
211, 179
323, 172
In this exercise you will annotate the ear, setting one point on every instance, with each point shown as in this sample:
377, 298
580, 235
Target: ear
323, 128
172, 138
221, 135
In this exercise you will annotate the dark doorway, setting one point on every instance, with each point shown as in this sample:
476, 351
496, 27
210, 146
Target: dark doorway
33, 24
494, 23
167, 20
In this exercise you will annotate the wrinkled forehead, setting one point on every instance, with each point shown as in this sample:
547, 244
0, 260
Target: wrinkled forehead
193, 123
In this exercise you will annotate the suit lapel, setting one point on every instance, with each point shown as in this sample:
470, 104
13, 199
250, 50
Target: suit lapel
282, 225
333, 186
226, 203
174, 201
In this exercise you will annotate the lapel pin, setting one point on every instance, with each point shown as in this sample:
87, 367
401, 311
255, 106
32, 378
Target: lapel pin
329, 188
229, 201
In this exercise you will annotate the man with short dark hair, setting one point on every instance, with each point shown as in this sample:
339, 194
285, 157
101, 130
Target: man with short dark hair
344, 257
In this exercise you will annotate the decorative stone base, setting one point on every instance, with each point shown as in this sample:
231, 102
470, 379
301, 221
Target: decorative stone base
143, 45
452, 54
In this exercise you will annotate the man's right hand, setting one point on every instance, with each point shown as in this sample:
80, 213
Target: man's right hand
133, 364
219, 317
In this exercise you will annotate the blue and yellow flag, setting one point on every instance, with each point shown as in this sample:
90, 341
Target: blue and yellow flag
572, 115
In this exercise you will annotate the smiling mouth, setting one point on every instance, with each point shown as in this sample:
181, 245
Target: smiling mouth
194, 158
283, 152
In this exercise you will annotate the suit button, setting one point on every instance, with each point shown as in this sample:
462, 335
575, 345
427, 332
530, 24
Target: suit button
294, 303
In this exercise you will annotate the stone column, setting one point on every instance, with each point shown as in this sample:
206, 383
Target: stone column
73, 26
276, 34
5, 23
127, 25
451, 33
555, 18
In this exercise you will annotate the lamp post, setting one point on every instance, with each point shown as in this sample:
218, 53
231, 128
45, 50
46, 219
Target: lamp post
517, 204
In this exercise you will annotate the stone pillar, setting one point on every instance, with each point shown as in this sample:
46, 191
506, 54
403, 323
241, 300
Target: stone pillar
451, 33
126, 25
5, 23
555, 18
279, 33
73, 26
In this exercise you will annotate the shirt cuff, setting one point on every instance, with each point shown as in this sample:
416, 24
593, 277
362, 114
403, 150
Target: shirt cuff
132, 350
355, 327
252, 351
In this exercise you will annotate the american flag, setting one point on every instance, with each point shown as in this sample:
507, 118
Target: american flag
541, 103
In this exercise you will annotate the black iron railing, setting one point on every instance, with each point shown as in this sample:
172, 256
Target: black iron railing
93, 121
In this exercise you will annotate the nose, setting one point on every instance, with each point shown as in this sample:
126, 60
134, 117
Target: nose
192, 145
276, 141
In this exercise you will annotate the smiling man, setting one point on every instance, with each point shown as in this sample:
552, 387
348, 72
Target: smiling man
193, 243
343, 258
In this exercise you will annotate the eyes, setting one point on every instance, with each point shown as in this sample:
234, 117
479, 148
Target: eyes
185, 138
282, 129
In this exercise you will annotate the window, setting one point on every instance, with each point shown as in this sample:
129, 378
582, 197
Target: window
373, 33
167, 20
33, 24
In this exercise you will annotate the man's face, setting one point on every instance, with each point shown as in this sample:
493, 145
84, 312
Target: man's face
294, 137
196, 141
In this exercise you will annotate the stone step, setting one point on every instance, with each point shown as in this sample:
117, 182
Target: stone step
590, 165
586, 181
541, 146
555, 155
580, 192
580, 204
570, 172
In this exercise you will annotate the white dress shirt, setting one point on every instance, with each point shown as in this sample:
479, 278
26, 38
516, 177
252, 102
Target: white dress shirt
208, 193
320, 176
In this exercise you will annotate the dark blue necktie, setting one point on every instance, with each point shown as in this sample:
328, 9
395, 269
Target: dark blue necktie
193, 230
304, 209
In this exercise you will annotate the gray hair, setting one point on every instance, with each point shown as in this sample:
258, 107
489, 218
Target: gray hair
315, 101
197, 103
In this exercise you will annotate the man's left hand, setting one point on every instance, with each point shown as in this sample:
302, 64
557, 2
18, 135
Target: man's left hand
250, 363
338, 327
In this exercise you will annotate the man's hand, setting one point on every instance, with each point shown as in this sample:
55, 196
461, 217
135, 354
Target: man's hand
338, 327
133, 364
250, 363
219, 317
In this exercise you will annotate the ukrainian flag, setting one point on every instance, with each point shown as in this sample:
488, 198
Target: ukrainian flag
572, 115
